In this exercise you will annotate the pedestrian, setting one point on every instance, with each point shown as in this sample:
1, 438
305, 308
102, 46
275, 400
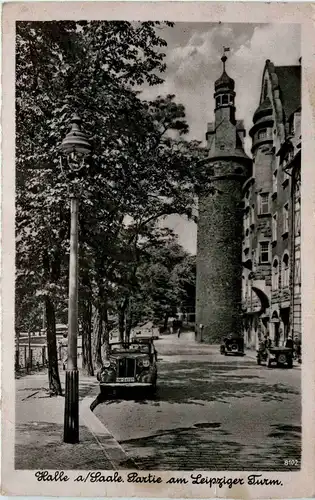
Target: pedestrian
201, 327
179, 323
267, 341
63, 344
289, 343
171, 323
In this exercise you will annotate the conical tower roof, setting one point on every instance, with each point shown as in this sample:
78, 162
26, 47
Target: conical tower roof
264, 109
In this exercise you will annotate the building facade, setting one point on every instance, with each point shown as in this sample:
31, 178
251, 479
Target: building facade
271, 280
219, 235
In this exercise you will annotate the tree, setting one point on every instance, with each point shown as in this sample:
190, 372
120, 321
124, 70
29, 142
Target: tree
141, 169
164, 278
63, 67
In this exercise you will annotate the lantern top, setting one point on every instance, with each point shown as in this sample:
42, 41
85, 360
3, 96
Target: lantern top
76, 141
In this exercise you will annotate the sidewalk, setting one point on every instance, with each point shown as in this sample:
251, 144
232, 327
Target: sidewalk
39, 428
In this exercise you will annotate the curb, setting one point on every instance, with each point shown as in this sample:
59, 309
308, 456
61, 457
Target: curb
112, 450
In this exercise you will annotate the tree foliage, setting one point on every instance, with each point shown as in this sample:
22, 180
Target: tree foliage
141, 169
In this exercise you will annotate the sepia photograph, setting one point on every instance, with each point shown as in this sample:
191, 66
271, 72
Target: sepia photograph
158, 250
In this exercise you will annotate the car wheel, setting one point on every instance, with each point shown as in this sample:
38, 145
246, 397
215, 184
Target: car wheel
282, 359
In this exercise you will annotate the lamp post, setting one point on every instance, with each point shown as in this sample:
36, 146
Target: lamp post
75, 147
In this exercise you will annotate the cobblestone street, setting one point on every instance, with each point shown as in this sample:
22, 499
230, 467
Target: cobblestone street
211, 412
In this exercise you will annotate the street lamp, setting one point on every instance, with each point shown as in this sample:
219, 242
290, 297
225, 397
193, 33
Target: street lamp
75, 148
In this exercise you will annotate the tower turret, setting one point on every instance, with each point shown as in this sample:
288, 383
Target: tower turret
224, 95
219, 238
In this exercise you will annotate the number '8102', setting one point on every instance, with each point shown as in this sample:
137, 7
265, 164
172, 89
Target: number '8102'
291, 461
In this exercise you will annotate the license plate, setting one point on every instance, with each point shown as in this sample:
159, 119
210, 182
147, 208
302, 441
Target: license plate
125, 379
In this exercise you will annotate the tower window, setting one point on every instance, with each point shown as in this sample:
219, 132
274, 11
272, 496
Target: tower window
225, 99
264, 252
275, 182
218, 101
264, 203
297, 272
285, 271
275, 275
252, 215
274, 227
262, 134
297, 218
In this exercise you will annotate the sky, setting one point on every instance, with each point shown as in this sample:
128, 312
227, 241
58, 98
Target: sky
193, 58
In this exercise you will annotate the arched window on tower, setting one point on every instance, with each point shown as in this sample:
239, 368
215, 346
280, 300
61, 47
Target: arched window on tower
225, 99
218, 101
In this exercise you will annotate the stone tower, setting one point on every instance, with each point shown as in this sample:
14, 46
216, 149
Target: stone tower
219, 237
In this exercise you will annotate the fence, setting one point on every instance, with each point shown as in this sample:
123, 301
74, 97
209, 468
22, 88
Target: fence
30, 358
34, 357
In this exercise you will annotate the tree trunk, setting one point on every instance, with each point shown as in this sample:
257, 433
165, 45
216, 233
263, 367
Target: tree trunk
106, 333
165, 322
87, 363
122, 319
53, 373
129, 317
97, 338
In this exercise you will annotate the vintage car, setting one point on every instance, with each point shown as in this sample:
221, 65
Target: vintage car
130, 365
279, 356
145, 335
232, 345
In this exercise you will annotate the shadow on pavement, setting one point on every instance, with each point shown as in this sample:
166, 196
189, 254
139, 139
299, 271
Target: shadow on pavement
193, 382
197, 448
41, 446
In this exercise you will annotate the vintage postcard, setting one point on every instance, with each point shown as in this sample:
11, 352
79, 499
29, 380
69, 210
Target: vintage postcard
158, 241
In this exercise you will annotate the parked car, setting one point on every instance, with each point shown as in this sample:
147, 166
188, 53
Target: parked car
232, 345
146, 335
131, 365
279, 356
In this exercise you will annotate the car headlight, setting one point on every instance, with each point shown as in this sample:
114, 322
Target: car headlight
146, 363
107, 364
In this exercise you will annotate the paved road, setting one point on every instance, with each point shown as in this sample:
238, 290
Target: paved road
211, 412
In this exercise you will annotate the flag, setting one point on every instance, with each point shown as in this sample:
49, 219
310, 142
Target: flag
226, 49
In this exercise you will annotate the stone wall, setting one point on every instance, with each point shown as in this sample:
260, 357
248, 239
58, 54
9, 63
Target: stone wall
219, 260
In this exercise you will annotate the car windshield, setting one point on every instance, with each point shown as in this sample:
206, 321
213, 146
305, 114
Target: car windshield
134, 347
